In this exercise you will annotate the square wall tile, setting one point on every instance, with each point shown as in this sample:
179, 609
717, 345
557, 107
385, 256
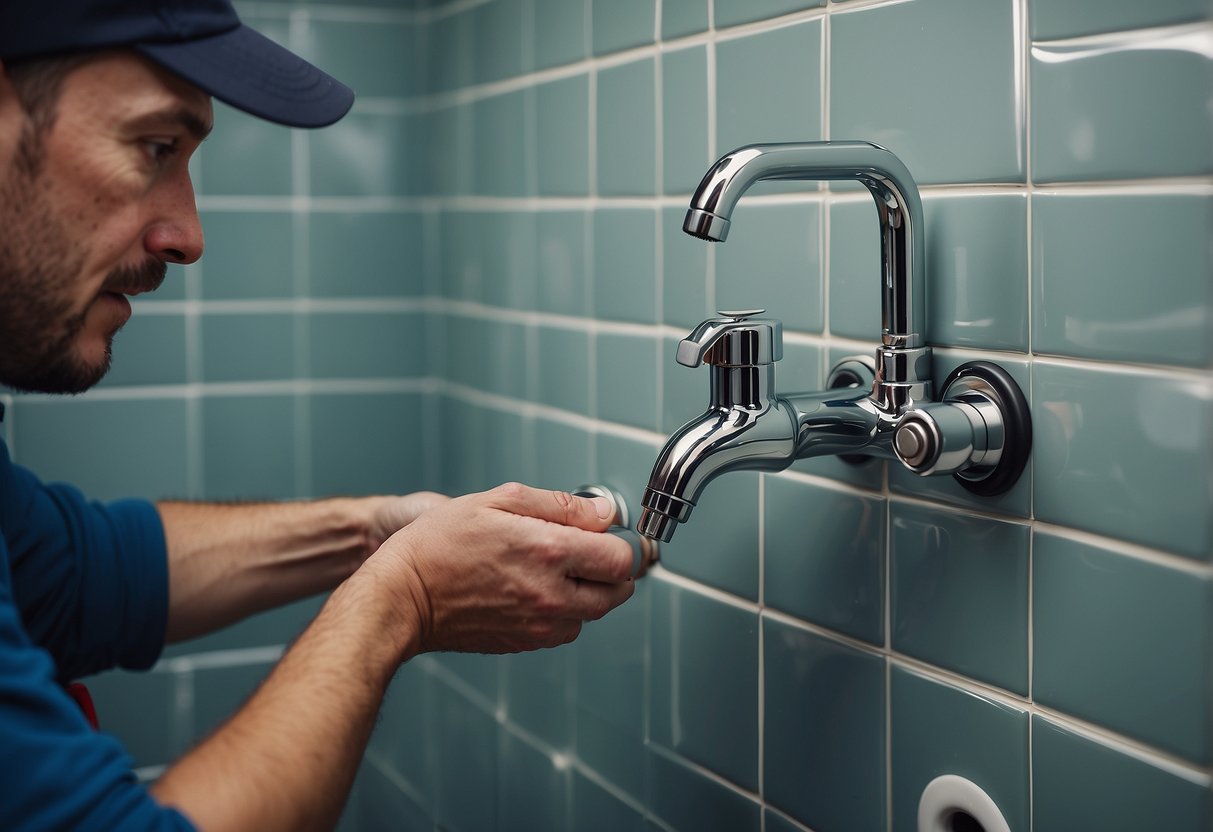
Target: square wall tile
449, 133
1057, 19
140, 709
1124, 643
377, 804
610, 693
462, 254
772, 261
564, 456
249, 447
623, 463
382, 59
364, 254
263, 148
1123, 278
1113, 448
824, 731
718, 545
469, 765
977, 271
700, 644
1079, 783
107, 449
562, 272
489, 355
482, 672
684, 278
855, 273
508, 244
685, 799
503, 162
497, 41
623, 24
366, 345
513, 438
959, 587
684, 123
1097, 112
249, 254
273, 628
561, 33
683, 17
150, 349
407, 737
626, 378
625, 265
627, 129
824, 557
596, 809
539, 694
364, 154
732, 12
451, 41
564, 369
685, 391
344, 463
918, 118
532, 790
939, 729
221, 691
247, 347
562, 136
747, 64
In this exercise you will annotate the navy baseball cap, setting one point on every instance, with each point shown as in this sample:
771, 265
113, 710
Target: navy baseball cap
203, 41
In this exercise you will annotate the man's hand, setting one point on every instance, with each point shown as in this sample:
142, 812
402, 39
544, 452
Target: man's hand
506, 570
391, 514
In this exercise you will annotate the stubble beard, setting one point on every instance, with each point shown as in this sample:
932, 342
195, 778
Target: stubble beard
39, 267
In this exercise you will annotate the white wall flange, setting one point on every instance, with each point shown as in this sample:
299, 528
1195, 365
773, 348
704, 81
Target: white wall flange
949, 796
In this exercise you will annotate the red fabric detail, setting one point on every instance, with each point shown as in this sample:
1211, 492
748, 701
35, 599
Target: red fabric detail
84, 699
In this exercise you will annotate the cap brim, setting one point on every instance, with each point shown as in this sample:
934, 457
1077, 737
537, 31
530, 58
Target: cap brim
247, 70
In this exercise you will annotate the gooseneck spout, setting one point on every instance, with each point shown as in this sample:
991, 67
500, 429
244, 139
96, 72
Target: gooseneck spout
884, 175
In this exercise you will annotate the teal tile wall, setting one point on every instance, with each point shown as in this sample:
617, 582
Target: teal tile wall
818, 645
511, 184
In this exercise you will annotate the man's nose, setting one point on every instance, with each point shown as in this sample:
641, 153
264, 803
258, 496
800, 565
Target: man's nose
175, 234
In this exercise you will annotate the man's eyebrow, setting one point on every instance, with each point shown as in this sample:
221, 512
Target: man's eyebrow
194, 124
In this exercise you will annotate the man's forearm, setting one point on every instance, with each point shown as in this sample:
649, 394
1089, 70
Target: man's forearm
229, 561
287, 759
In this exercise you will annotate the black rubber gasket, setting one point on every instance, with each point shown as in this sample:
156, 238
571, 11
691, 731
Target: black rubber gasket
1017, 426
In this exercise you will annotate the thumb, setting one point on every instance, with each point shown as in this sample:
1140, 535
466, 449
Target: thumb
590, 513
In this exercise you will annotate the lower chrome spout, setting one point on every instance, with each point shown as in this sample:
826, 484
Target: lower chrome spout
842, 421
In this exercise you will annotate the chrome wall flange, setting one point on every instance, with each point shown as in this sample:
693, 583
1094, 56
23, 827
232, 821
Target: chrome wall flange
980, 431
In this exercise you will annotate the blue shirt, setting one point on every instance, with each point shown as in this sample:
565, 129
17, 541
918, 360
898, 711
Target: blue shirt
83, 588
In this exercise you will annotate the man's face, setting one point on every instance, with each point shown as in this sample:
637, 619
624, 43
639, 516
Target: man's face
91, 211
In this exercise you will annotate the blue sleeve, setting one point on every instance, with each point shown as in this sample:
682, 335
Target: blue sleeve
89, 579
56, 773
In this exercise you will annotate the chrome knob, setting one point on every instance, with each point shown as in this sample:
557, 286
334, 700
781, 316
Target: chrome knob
735, 339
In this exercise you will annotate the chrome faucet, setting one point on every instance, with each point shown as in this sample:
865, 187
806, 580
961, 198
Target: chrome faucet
979, 430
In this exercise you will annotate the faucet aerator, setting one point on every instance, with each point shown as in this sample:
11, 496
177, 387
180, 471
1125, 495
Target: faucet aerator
706, 226
655, 525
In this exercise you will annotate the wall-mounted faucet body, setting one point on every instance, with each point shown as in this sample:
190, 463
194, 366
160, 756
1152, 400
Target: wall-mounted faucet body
982, 434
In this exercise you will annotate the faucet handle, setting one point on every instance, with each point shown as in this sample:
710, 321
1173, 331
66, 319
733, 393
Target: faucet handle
735, 339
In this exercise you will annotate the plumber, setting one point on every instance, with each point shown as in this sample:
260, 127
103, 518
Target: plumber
102, 103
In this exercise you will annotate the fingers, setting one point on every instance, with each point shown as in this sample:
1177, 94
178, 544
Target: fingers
589, 513
591, 600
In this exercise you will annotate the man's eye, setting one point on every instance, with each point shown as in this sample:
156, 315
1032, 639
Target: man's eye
160, 149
